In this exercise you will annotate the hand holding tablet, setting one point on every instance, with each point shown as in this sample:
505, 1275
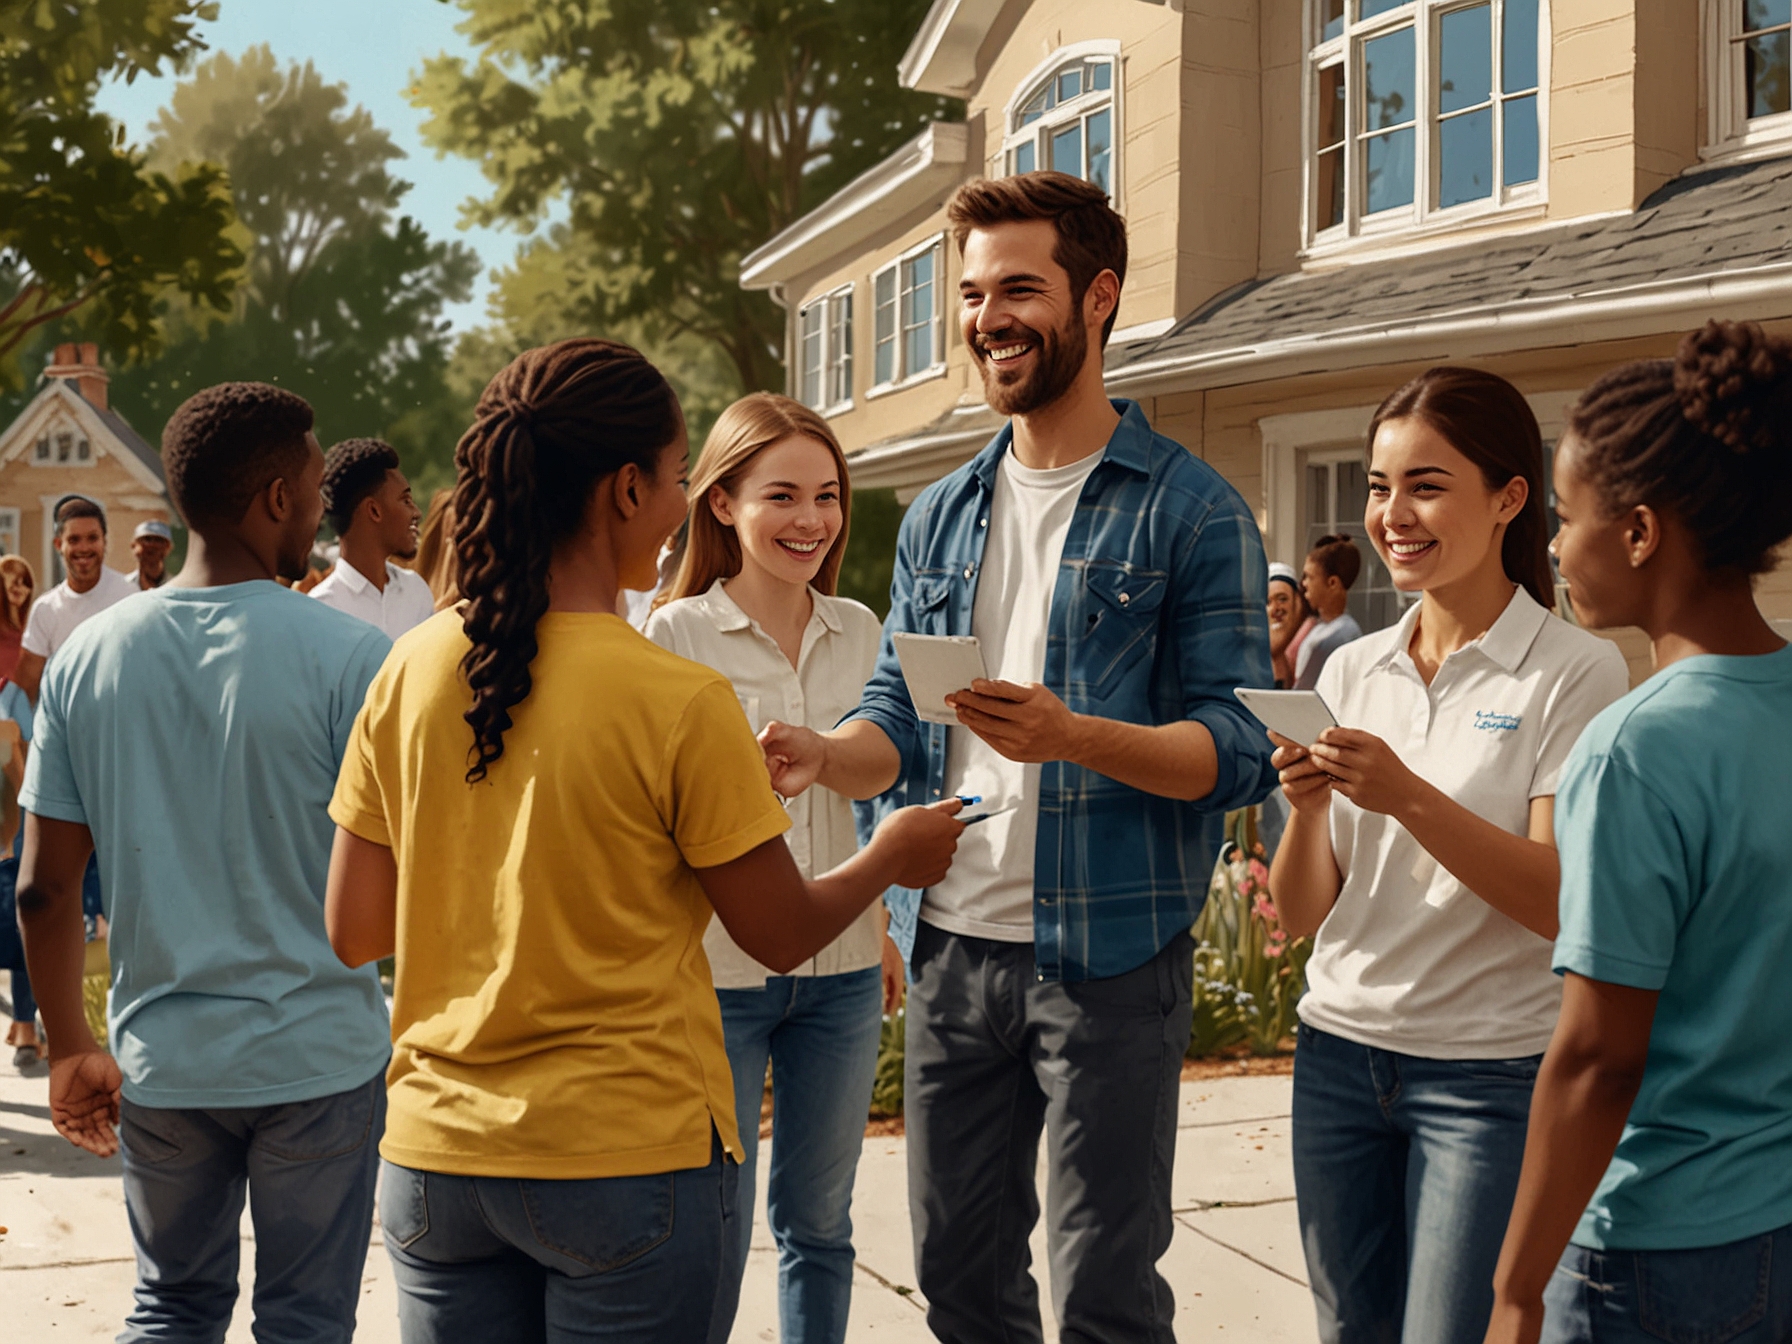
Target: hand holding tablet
1299, 716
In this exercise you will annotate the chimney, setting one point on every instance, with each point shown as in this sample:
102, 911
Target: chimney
80, 365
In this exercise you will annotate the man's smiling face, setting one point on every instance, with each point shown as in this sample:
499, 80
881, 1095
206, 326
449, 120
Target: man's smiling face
1021, 323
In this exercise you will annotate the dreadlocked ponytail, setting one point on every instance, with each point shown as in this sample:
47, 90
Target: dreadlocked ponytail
552, 425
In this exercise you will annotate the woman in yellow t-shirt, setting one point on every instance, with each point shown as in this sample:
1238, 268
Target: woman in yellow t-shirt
537, 813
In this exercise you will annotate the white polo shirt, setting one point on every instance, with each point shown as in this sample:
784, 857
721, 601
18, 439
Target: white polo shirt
1409, 959
838, 653
405, 603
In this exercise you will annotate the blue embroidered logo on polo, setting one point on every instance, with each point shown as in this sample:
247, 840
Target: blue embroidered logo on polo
1489, 722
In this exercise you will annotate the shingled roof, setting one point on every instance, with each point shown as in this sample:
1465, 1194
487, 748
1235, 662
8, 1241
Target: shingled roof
1723, 222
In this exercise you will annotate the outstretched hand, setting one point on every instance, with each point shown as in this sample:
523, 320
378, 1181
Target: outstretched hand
1023, 723
921, 842
84, 1100
794, 756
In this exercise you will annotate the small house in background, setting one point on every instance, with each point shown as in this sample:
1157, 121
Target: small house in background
70, 441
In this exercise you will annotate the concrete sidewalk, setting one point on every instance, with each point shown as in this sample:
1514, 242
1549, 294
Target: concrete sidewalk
66, 1269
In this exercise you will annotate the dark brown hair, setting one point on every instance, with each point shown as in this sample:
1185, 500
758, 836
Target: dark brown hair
1706, 436
1490, 423
552, 425
1091, 236
1337, 557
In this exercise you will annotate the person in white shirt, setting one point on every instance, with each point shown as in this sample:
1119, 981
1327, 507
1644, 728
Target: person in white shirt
368, 501
754, 599
87, 591
1331, 568
1422, 854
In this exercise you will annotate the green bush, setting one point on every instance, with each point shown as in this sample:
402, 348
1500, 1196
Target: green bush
1249, 974
886, 1092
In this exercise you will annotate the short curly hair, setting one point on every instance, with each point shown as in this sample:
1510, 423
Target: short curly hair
353, 470
226, 444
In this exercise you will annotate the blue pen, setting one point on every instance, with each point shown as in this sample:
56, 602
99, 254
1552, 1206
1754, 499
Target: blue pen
969, 799
985, 816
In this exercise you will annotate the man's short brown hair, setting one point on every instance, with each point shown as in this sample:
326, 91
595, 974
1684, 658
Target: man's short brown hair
1091, 236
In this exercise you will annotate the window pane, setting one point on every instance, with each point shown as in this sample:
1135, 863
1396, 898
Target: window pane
1070, 84
884, 327
1518, 46
1328, 190
1465, 71
1067, 151
1465, 154
1331, 106
1370, 8
1319, 502
809, 357
1025, 157
1035, 108
1387, 170
1766, 63
1388, 80
1522, 142
1758, 14
1101, 76
1331, 19
1101, 149
917, 316
840, 351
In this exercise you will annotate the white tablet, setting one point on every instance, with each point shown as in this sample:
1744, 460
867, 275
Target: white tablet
1298, 715
935, 666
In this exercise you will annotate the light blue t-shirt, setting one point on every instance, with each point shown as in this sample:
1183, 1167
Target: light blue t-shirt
1676, 846
197, 732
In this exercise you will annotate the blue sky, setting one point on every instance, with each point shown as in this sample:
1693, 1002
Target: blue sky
374, 47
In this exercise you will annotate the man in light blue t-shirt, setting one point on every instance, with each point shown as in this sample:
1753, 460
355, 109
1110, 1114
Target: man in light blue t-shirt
247, 1054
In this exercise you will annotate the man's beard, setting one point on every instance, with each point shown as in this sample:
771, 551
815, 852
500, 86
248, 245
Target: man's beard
1057, 360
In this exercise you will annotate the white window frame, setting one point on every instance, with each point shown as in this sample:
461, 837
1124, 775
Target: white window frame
10, 523
1731, 135
903, 376
1077, 109
1523, 201
833, 373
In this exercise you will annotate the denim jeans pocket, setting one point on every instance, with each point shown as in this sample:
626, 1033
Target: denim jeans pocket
1522, 1071
404, 1204
1705, 1296
601, 1224
311, 1131
151, 1135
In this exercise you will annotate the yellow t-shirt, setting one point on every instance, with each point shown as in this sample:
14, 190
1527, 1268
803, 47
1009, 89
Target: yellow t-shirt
553, 1015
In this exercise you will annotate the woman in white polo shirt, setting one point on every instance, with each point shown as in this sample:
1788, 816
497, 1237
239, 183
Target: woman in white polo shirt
754, 599
1421, 853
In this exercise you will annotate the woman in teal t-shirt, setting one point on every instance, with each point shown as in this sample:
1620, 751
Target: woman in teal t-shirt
1660, 1142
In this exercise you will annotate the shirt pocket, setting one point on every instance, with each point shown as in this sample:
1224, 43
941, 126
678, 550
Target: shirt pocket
1119, 613
929, 601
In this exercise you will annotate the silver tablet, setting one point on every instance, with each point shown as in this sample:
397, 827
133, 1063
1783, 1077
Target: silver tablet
935, 666
1300, 716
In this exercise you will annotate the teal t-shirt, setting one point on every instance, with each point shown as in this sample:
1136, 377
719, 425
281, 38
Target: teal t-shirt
197, 732
1676, 844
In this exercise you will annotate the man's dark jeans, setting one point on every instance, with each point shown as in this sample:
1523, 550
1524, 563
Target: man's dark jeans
309, 1168
994, 1054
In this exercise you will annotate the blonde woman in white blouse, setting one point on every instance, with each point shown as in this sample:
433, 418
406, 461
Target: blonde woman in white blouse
754, 599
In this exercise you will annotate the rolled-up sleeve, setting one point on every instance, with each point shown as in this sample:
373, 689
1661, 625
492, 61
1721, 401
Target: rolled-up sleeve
1222, 642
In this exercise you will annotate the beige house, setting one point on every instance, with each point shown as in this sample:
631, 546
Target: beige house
1324, 197
69, 441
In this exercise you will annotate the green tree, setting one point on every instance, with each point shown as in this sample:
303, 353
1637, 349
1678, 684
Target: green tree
668, 138
344, 297
90, 234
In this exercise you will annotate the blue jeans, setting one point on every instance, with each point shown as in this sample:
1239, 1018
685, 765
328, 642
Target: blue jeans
1405, 1170
1735, 1294
506, 1261
821, 1035
309, 1168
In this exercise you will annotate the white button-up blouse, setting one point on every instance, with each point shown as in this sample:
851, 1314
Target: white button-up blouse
838, 652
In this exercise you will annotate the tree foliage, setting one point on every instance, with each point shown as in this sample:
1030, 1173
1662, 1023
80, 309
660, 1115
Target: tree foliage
89, 232
343, 301
668, 138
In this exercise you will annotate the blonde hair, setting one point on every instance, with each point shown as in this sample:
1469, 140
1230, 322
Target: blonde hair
435, 549
743, 431
16, 564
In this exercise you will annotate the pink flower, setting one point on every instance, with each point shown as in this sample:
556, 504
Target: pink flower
1259, 873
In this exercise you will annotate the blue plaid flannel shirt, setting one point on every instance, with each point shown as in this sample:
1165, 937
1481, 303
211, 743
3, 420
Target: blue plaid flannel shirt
1157, 614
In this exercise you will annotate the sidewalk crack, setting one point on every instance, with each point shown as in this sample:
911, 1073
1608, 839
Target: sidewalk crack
1262, 1264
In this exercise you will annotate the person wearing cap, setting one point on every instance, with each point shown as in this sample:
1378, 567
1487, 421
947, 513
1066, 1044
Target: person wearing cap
368, 501
88, 590
150, 544
1291, 620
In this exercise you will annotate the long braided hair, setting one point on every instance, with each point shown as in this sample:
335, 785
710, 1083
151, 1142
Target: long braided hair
1706, 436
552, 425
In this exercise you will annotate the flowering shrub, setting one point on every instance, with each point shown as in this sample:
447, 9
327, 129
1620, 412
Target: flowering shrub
1248, 973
